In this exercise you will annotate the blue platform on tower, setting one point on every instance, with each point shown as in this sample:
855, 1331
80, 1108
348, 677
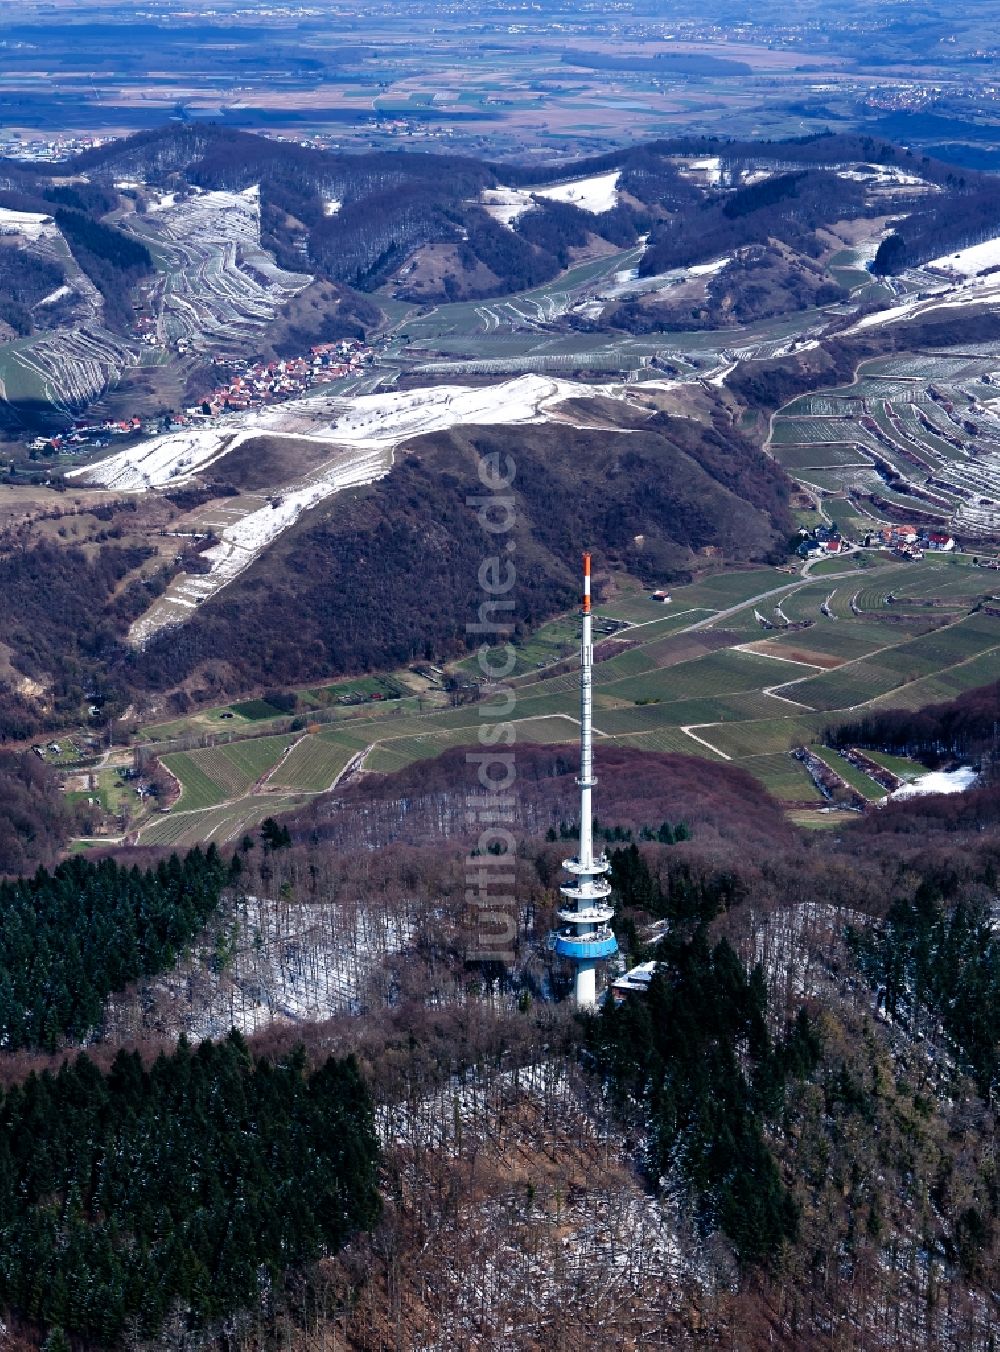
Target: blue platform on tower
584, 949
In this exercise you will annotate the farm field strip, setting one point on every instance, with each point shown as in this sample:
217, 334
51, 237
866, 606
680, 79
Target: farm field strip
767, 736
198, 789
668, 740
221, 825
713, 693
783, 776
870, 678
213, 775
218, 283
850, 774
945, 685
312, 765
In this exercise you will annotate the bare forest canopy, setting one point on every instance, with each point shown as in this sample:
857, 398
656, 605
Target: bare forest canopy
393, 203
63, 615
34, 819
722, 806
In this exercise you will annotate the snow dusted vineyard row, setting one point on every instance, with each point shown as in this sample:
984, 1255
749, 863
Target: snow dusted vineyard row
245, 536
924, 429
71, 368
220, 287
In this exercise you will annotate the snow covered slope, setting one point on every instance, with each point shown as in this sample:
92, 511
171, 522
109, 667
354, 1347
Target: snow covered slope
372, 421
360, 434
596, 194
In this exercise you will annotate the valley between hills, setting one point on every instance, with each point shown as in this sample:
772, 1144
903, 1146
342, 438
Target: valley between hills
253, 396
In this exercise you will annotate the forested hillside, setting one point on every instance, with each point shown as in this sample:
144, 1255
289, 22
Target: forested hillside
649, 502
185, 1190
34, 818
391, 204
73, 936
63, 615
827, 1161
753, 1125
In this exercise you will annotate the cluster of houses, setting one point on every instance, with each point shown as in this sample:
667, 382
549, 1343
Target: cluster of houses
906, 542
910, 542
250, 385
823, 539
85, 433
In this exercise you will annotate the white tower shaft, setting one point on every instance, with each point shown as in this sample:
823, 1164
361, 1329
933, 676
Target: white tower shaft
585, 937
586, 780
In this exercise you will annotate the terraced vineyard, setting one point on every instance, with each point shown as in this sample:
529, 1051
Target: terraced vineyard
218, 286
904, 634
921, 432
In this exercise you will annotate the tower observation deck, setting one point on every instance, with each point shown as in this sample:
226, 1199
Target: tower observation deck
584, 935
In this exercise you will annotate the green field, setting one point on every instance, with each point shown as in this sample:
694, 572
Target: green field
899, 765
851, 775
222, 824
256, 709
313, 765
902, 652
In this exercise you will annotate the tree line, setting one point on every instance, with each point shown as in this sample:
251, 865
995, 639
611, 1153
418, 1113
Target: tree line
967, 728
71, 937
186, 1190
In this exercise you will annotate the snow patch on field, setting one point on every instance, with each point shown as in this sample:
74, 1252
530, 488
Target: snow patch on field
371, 421
707, 171
172, 459
388, 419
596, 194
962, 293
361, 433
161, 201
55, 295
939, 781
968, 262
709, 269
506, 205
245, 539
27, 223
886, 176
